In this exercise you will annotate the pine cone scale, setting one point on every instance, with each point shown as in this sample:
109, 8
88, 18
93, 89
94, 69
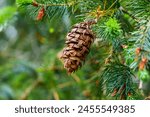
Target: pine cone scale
81, 31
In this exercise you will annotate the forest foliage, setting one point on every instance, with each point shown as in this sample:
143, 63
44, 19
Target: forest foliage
33, 33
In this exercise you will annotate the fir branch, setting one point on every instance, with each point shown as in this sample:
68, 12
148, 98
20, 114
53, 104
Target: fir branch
21, 3
46, 3
139, 8
51, 8
142, 38
51, 4
97, 9
116, 80
108, 29
140, 50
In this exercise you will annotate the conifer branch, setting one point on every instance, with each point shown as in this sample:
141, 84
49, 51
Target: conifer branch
116, 80
117, 77
35, 3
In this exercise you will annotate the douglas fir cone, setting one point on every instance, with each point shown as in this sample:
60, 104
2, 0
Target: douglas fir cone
78, 42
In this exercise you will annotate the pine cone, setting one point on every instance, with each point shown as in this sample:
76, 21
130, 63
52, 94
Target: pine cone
78, 42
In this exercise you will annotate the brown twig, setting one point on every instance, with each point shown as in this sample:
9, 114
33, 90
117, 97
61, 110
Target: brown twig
63, 85
55, 95
76, 78
29, 89
147, 98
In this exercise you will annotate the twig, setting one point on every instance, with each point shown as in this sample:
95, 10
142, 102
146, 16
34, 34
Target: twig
147, 98
29, 89
76, 78
112, 5
63, 85
55, 95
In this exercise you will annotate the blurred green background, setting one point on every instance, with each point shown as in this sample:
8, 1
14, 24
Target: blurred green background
29, 63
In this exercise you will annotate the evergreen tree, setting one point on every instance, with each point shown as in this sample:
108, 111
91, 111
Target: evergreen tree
106, 51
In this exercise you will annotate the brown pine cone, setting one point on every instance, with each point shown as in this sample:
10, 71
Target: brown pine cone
78, 42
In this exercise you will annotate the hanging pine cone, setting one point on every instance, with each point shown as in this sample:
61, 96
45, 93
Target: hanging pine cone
78, 42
